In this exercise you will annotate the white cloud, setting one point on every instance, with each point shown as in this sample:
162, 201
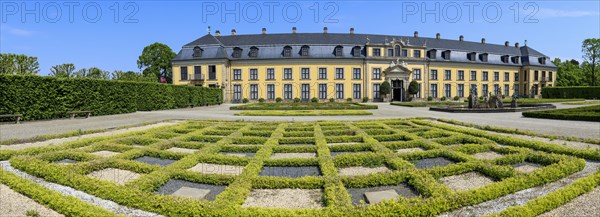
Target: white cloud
557, 13
17, 31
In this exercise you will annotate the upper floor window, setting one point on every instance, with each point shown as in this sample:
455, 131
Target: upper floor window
417, 53
446, 55
197, 52
390, 52
253, 52
483, 57
397, 50
471, 56
496, 76
322, 73
356, 73
506, 76
433, 74
431, 54
339, 73
253, 74
376, 73
356, 51
305, 73
339, 51
542, 60
404, 52
287, 74
237, 52
416, 74
287, 51
237, 74
270, 74
376, 52
304, 50
515, 59
447, 75
504, 58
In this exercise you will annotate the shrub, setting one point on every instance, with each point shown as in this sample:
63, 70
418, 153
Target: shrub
456, 98
443, 98
296, 99
314, 100
41, 97
348, 99
365, 99
331, 100
429, 98
245, 100
261, 100
278, 100
586, 113
571, 92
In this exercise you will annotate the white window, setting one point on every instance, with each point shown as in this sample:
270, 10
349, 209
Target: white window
270, 74
237, 74
434, 90
376, 91
322, 91
254, 91
270, 91
287, 74
253, 74
356, 90
287, 91
339, 73
460, 89
377, 73
447, 90
237, 92
305, 91
339, 91
322, 73
356, 74
305, 73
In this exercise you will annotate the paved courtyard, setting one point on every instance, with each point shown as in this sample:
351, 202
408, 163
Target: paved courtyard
30, 129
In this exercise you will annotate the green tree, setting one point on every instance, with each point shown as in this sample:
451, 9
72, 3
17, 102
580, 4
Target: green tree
66, 70
156, 60
569, 73
413, 87
93, 73
19, 64
132, 76
591, 55
385, 88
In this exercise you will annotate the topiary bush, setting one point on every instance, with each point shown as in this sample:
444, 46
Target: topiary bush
261, 100
456, 98
349, 100
296, 100
331, 100
278, 100
443, 98
429, 98
365, 99
245, 100
314, 100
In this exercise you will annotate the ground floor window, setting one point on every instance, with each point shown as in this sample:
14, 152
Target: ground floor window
322, 91
339, 91
434, 93
376, 93
287, 91
270, 91
506, 89
484, 90
419, 91
254, 91
496, 89
447, 90
237, 92
305, 91
516, 86
473, 88
356, 91
460, 90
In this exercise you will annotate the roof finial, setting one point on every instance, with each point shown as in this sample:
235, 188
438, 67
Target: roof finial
525, 42
208, 30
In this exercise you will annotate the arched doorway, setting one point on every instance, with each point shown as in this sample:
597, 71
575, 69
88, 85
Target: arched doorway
397, 75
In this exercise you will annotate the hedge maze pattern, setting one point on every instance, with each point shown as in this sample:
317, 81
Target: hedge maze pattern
419, 164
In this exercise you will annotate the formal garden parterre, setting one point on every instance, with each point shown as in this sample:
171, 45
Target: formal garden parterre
399, 167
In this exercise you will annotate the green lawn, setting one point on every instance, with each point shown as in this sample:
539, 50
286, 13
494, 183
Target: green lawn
337, 146
303, 106
586, 113
532, 100
302, 113
587, 102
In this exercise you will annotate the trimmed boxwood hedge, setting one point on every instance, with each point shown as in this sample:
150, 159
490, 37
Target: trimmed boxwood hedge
571, 92
587, 113
40, 97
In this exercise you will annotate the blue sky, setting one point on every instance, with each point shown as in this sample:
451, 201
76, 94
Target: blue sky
74, 32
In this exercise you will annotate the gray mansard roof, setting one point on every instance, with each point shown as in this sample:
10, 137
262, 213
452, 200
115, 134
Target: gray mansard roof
322, 45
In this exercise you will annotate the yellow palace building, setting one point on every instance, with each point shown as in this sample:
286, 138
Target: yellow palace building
349, 65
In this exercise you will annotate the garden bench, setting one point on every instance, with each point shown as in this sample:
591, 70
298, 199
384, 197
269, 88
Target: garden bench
72, 114
16, 116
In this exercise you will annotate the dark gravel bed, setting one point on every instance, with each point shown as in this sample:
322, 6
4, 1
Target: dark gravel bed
155, 161
66, 161
247, 154
335, 153
358, 194
293, 172
432, 162
174, 185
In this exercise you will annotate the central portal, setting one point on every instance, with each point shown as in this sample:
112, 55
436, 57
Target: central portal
398, 90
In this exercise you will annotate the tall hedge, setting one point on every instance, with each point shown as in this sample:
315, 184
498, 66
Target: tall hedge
38, 97
571, 92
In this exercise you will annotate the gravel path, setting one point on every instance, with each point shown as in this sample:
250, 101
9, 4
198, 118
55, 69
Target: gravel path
358, 171
73, 138
65, 190
285, 198
521, 197
584, 205
510, 120
14, 204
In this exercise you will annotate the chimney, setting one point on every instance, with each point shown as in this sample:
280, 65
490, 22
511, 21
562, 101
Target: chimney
264, 31
218, 33
352, 30
294, 30
233, 32
438, 36
483, 40
506, 43
517, 44
325, 30
416, 34
461, 38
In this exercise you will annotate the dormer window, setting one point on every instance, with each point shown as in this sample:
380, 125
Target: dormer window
397, 50
356, 51
237, 52
304, 51
515, 59
446, 54
483, 57
542, 60
471, 56
287, 51
339, 51
197, 52
504, 58
253, 52
431, 54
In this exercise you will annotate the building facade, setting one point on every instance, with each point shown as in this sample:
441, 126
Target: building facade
341, 66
